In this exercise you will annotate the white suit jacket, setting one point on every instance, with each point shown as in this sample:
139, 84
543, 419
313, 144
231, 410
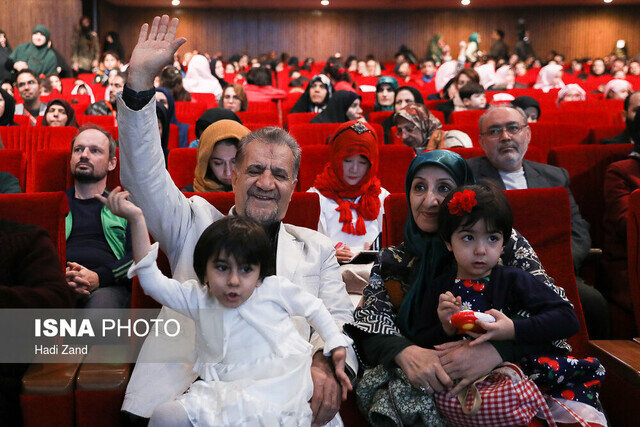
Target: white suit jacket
304, 256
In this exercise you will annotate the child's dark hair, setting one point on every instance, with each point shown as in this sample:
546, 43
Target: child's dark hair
243, 238
471, 88
492, 206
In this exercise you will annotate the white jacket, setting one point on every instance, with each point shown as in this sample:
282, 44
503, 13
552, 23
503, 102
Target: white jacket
304, 256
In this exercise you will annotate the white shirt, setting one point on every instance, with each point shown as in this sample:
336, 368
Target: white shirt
332, 228
514, 180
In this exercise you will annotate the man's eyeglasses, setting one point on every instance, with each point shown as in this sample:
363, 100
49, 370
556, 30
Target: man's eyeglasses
496, 131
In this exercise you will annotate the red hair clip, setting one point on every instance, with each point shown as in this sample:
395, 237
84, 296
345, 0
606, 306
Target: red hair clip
462, 202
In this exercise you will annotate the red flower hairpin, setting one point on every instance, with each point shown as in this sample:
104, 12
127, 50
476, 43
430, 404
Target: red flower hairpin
462, 202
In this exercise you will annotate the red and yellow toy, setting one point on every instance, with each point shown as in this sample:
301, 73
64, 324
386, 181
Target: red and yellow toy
465, 321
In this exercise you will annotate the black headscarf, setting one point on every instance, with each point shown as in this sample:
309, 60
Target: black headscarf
163, 118
387, 124
525, 102
304, 104
114, 46
9, 109
212, 66
211, 116
183, 129
71, 113
336, 111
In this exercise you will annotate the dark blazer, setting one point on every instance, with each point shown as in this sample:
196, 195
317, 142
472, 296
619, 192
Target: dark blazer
539, 175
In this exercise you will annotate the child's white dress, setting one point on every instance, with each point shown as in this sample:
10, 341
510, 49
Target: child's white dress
254, 366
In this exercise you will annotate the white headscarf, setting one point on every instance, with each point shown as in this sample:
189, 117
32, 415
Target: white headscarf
487, 73
617, 85
571, 88
547, 76
199, 78
446, 72
77, 86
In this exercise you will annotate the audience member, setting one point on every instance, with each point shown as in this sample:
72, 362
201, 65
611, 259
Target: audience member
505, 137
108, 63
386, 87
571, 93
112, 44
499, 49
343, 106
473, 48
316, 97
438, 50
617, 89
210, 117
117, 80
171, 78
550, 77
404, 96
98, 242
630, 107
530, 106
262, 192
59, 113
217, 148
164, 97
259, 88
199, 78
427, 70
473, 96
85, 47
234, 98
162, 116
7, 109
36, 55
217, 70
5, 51
29, 90
81, 88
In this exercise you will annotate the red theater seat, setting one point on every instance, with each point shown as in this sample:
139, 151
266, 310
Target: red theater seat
181, 165
548, 230
208, 99
379, 116
533, 153
103, 121
299, 118
50, 172
14, 162
598, 133
587, 165
263, 107
174, 137
318, 133
30, 139
466, 117
189, 112
546, 136
268, 117
22, 120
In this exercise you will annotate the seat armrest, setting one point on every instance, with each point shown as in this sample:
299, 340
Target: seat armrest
50, 378
622, 356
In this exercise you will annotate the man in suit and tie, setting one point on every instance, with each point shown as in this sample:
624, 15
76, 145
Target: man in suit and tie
505, 137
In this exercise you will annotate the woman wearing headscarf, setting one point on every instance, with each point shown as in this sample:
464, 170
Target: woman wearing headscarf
59, 113
199, 78
530, 106
473, 48
316, 97
387, 326
7, 109
403, 96
617, 89
85, 47
216, 156
5, 51
35, 54
112, 44
209, 117
343, 106
436, 49
217, 70
351, 197
171, 78
550, 77
570, 93
386, 87
82, 88
163, 96
422, 131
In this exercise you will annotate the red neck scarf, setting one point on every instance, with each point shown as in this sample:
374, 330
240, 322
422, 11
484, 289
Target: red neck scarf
351, 139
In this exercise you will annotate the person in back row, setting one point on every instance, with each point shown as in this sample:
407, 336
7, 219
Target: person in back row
36, 54
28, 86
343, 106
59, 113
117, 80
473, 96
630, 108
316, 97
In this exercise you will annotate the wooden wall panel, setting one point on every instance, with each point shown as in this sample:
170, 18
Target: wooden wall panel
18, 17
577, 32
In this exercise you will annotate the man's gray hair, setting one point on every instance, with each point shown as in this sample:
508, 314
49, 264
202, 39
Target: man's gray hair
271, 135
496, 107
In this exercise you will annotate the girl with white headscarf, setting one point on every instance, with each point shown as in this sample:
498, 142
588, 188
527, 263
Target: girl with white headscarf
617, 89
199, 78
550, 77
571, 92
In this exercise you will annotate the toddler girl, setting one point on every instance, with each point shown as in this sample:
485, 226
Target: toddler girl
474, 221
254, 366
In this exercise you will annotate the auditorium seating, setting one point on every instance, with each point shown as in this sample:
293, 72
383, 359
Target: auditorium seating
189, 112
318, 133
533, 153
548, 230
299, 118
50, 172
181, 165
30, 139
14, 162
174, 137
104, 121
270, 118
208, 99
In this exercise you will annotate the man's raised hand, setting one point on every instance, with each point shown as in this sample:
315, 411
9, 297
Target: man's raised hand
155, 49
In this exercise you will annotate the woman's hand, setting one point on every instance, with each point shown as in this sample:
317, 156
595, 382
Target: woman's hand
500, 330
344, 254
339, 356
467, 363
447, 306
423, 369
